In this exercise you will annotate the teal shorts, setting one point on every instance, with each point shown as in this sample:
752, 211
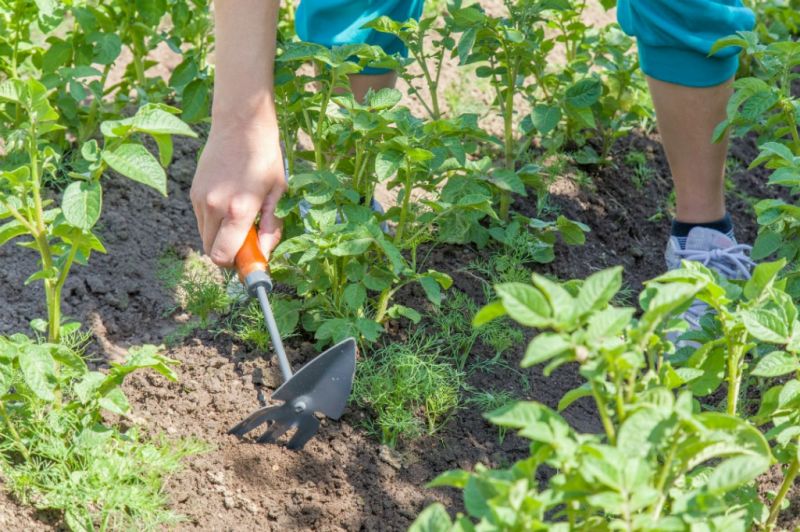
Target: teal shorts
338, 22
675, 37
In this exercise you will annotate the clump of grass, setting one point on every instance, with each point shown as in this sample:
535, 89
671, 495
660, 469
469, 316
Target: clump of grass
198, 287
246, 321
452, 329
489, 400
61, 453
642, 171
408, 388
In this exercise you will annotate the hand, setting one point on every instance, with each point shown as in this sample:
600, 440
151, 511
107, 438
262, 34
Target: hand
240, 174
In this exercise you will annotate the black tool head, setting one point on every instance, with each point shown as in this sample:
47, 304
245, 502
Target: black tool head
323, 385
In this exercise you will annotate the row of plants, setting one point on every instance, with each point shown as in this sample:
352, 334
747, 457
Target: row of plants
690, 419
454, 181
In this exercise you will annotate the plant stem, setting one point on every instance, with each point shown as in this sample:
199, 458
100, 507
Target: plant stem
383, 304
662, 480
788, 481
398, 237
604, 417
14, 434
735, 358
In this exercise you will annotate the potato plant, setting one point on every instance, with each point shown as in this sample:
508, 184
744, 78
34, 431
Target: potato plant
62, 233
73, 47
692, 464
763, 104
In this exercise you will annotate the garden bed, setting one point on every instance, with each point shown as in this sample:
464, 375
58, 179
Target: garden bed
343, 479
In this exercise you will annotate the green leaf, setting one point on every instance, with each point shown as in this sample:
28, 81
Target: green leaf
767, 243
434, 518
386, 164
525, 304
165, 148
89, 384
598, 289
561, 302
356, 246
766, 325
544, 347
81, 203
135, 162
354, 296
572, 232
735, 472
432, 290
584, 93
115, 402
396, 311
385, 98
763, 277
38, 370
506, 179
584, 390
107, 47
608, 323
456, 478
194, 101
10, 230
489, 312
545, 118
154, 120
775, 364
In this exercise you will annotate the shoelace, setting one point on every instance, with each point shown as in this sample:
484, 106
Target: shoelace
732, 262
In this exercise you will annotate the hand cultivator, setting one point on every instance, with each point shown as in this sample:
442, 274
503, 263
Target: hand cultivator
322, 385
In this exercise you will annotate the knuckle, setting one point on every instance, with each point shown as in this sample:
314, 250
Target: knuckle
239, 207
214, 202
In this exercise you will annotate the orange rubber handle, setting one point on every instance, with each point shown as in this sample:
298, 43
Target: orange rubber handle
249, 258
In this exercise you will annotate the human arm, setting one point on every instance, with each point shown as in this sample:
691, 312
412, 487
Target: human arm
240, 172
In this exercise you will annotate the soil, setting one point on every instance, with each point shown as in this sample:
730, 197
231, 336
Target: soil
343, 479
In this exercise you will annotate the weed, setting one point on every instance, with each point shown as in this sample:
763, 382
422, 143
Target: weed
642, 171
408, 388
56, 450
489, 400
196, 285
246, 321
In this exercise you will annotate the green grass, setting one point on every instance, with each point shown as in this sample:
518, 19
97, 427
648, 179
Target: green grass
451, 328
197, 286
642, 171
408, 389
246, 321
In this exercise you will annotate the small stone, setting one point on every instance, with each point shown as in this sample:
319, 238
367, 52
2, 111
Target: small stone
275, 467
229, 503
216, 477
390, 457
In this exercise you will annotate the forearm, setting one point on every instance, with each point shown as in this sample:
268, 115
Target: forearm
245, 33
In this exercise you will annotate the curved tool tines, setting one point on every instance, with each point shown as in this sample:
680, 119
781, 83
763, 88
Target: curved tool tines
281, 419
279, 413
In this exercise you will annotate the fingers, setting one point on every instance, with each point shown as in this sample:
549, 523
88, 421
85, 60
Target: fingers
271, 227
240, 215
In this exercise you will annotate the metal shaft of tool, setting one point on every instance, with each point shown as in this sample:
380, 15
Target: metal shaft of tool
272, 327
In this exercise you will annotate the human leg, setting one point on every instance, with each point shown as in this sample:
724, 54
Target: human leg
690, 90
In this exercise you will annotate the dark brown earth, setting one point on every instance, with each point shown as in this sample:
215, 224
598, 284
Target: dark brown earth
343, 479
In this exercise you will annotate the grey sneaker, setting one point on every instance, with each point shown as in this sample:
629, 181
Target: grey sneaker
716, 251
